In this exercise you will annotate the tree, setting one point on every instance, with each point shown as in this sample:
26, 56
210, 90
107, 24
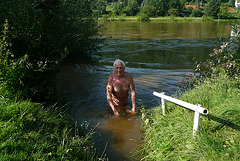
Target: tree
224, 13
46, 32
175, 4
132, 8
212, 8
100, 6
197, 13
157, 7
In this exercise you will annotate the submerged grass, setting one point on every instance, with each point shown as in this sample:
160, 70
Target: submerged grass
29, 131
170, 137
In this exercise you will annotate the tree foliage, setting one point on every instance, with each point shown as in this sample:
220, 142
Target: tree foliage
212, 8
45, 32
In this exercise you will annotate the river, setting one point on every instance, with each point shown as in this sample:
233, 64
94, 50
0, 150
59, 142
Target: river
159, 55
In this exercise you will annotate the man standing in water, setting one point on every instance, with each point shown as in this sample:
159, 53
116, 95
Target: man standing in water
118, 86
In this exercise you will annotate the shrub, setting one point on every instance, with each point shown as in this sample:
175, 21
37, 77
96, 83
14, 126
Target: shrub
227, 58
143, 17
224, 13
212, 8
197, 13
173, 12
45, 32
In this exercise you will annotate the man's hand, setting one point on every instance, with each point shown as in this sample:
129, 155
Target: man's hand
133, 112
116, 114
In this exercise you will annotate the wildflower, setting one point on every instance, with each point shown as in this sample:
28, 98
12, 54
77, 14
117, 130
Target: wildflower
215, 51
210, 55
224, 45
219, 61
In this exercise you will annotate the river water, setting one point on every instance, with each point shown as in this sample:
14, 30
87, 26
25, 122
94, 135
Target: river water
159, 55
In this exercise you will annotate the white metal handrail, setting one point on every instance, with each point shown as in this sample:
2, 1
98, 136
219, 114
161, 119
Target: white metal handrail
197, 108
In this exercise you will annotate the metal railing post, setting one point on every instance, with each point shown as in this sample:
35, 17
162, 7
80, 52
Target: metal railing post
196, 122
197, 108
163, 105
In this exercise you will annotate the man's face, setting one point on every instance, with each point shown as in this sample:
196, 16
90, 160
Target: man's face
119, 69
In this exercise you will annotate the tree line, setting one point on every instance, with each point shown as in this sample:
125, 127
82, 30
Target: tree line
154, 8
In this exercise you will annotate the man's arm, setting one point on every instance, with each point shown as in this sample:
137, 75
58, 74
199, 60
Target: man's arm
133, 94
109, 89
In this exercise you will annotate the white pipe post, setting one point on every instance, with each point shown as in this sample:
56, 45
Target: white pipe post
197, 108
190, 106
163, 105
196, 122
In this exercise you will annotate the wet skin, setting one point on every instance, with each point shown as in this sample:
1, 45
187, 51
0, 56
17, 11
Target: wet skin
118, 86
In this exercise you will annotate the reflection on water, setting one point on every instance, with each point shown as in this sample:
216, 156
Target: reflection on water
123, 135
166, 30
119, 127
158, 55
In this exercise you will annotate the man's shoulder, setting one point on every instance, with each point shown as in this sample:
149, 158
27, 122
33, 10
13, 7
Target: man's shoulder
128, 75
111, 76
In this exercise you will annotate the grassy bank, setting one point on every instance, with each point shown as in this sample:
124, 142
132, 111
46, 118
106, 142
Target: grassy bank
170, 137
31, 132
169, 18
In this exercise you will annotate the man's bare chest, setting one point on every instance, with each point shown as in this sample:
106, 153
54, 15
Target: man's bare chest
121, 84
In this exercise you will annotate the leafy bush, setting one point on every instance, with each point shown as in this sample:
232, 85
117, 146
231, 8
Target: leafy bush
143, 17
224, 13
43, 33
190, 9
212, 8
13, 70
173, 12
197, 13
226, 58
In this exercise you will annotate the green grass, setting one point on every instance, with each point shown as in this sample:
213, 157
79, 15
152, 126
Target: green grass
167, 18
29, 131
170, 137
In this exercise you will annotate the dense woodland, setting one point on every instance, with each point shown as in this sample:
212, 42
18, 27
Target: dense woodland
154, 8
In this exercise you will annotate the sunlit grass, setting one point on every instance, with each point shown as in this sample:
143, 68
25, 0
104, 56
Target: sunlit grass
170, 137
30, 131
166, 18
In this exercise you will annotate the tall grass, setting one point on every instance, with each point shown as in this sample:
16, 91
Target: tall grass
28, 131
170, 137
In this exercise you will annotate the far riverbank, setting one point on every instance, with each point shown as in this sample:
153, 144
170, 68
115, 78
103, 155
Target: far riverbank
137, 18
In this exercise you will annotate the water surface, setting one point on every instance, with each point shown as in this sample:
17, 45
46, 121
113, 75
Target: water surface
159, 55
